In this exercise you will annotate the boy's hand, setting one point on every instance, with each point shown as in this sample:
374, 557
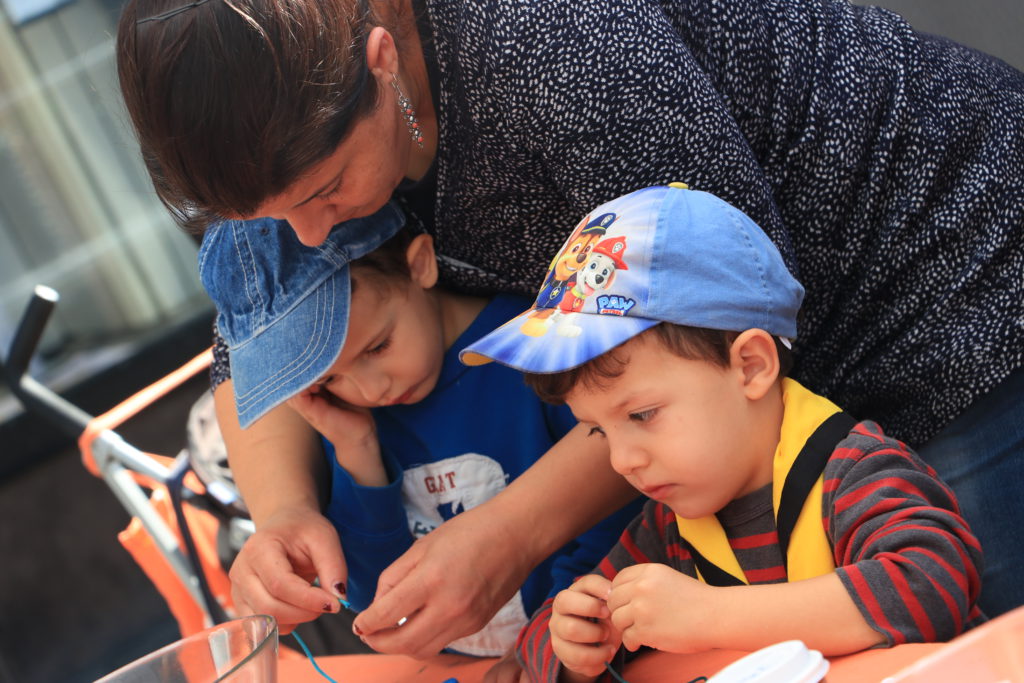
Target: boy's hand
339, 422
350, 429
582, 634
274, 570
655, 605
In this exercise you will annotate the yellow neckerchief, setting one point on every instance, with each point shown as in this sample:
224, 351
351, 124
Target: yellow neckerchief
810, 553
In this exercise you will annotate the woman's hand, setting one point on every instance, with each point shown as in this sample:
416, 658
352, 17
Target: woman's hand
274, 571
447, 585
452, 581
583, 636
350, 429
655, 605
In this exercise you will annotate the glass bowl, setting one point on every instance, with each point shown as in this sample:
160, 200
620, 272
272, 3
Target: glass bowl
241, 651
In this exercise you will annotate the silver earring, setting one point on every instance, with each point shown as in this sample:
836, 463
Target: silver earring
408, 113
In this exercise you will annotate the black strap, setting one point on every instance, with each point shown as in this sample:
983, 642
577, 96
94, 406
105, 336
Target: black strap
712, 574
808, 466
804, 473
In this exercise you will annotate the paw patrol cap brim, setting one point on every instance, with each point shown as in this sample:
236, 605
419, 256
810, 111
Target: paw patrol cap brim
282, 307
661, 254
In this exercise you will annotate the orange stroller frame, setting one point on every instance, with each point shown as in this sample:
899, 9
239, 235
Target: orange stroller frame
176, 520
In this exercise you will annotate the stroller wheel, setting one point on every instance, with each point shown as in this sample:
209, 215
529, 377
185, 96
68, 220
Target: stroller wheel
208, 457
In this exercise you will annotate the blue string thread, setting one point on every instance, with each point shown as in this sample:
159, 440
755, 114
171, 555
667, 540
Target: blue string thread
312, 660
302, 644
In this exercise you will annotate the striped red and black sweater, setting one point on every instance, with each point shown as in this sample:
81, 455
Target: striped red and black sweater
901, 548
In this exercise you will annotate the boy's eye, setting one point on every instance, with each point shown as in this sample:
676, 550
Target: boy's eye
323, 387
595, 430
379, 348
643, 415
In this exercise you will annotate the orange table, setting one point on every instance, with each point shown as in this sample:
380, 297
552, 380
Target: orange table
653, 667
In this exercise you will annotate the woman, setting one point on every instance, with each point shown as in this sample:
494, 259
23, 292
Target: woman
884, 163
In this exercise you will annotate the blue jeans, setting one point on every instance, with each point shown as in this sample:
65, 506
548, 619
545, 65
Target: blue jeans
981, 455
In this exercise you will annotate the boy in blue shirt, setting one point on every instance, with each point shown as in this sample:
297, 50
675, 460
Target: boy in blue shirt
356, 337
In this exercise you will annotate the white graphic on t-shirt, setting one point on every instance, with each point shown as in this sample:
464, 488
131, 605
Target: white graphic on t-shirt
438, 491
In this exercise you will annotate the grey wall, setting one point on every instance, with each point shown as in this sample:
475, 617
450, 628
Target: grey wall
993, 26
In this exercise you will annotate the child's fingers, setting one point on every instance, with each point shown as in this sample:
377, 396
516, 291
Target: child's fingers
623, 590
309, 405
583, 659
623, 621
593, 584
316, 397
631, 641
579, 630
576, 603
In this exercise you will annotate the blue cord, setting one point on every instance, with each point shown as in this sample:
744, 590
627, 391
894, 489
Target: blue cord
302, 644
614, 674
298, 639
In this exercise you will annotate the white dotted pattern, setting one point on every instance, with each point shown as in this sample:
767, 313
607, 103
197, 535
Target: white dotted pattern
887, 166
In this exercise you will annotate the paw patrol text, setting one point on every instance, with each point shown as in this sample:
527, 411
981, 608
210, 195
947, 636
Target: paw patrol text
612, 304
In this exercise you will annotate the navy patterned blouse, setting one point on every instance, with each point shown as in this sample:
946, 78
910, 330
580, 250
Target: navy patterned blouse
888, 166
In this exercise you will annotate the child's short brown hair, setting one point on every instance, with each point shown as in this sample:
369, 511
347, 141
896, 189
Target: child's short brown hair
692, 343
386, 266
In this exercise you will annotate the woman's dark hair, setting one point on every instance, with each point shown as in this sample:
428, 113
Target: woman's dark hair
692, 343
232, 100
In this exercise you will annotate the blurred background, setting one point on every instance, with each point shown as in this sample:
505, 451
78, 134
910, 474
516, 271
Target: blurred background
77, 213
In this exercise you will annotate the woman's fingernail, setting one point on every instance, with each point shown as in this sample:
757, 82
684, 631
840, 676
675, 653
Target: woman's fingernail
356, 630
339, 590
328, 607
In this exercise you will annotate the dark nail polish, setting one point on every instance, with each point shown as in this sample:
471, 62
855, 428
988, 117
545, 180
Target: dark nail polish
356, 630
339, 589
328, 607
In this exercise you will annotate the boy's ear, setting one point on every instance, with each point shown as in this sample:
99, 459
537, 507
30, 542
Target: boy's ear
422, 261
755, 355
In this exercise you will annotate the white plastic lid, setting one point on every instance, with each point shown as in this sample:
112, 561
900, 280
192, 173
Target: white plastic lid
787, 662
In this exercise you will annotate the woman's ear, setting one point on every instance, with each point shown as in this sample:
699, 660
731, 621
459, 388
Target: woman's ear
422, 261
381, 53
754, 354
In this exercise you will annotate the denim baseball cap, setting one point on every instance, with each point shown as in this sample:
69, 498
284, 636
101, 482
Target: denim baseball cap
282, 307
666, 254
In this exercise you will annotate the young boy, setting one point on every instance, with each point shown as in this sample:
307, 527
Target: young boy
773, 514
354, 334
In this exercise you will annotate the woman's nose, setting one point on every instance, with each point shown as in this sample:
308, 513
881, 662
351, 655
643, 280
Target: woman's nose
311, 223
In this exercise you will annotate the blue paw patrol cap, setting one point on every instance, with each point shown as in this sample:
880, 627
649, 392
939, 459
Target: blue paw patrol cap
665, 254
282, 307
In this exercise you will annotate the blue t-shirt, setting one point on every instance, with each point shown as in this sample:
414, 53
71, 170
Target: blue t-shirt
479, 429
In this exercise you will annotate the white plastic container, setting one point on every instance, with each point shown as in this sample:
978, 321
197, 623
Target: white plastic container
787, 662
